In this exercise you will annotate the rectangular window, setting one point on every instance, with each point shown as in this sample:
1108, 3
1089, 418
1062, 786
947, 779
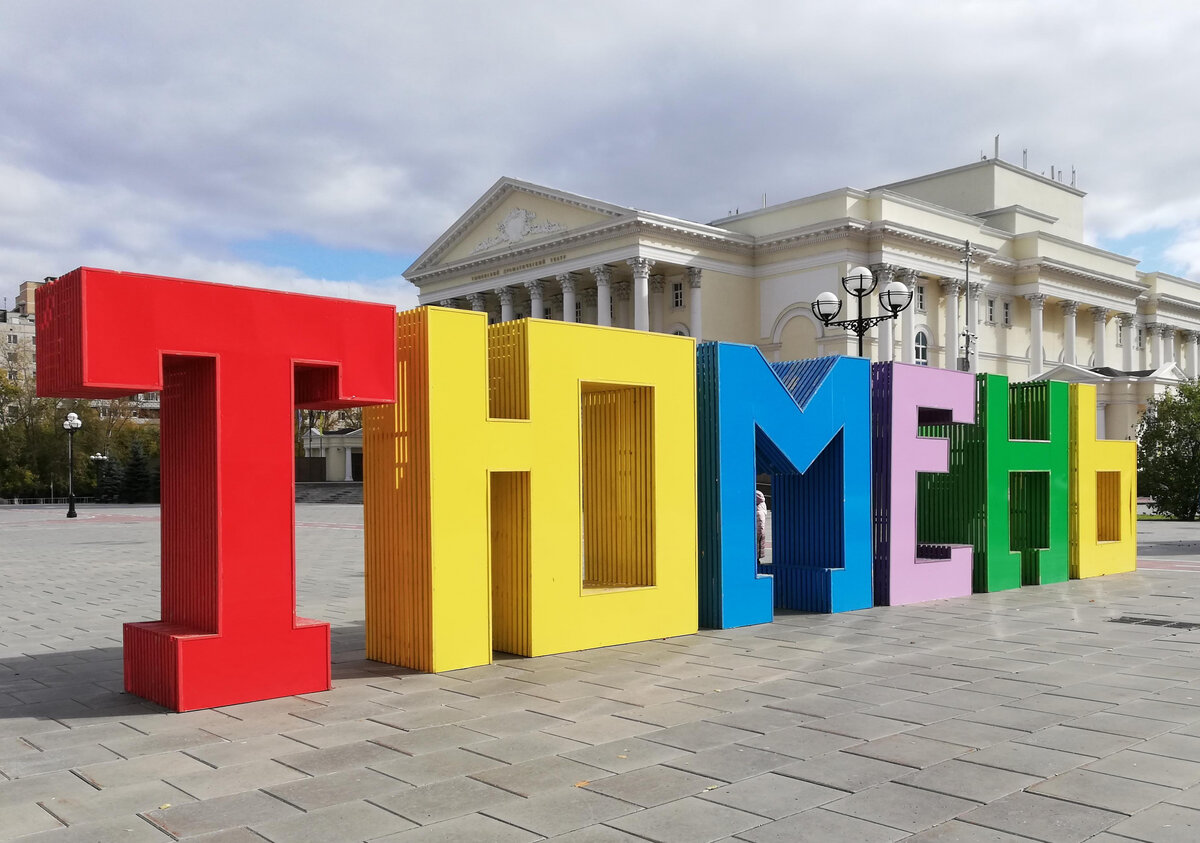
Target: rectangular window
991, 311
677, 295
1008, 313
12, 338
578, 311
1141, 337
547, 313
1120, 335
920, 298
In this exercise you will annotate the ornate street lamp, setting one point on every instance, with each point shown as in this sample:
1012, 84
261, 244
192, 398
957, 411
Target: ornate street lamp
71, 424
98, 460
860, 283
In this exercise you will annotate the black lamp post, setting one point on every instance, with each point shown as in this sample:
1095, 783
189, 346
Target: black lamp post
860, 283
98, 460
71, 424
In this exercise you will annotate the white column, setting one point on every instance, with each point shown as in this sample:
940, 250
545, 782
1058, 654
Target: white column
693, 276
620, 296
1069, 309
1168, 341
588, 298
641, 292
477, 301
568, 281
657, 285
536, 308
349, 464
603, 276
908, 321
883, 276
1154, 333
1037, 301
974, 296
1191, 347
951, 287
1099, 314
1128, 340
506, 303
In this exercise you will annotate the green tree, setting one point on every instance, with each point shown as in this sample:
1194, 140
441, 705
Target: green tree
1169, 451
136, 485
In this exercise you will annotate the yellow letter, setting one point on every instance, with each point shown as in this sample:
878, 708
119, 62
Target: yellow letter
1103, 494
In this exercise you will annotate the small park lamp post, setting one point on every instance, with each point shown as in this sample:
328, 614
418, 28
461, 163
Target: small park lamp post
71, 424
860, 283
98, 460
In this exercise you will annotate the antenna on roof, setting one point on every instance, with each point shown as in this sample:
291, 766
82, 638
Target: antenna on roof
764, 200
1072, 175
997, 155
1025, 158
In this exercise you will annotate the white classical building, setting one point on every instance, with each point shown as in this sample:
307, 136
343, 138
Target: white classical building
1034, 301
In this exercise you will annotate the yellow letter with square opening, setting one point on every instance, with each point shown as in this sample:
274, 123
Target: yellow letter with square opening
1103, 494
532, 491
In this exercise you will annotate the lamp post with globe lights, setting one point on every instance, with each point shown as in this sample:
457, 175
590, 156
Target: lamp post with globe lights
860, 283
71, 425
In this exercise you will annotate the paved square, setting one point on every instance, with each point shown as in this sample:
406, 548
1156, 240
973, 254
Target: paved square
1023, 715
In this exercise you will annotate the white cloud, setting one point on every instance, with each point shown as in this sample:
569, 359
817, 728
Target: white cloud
162, 134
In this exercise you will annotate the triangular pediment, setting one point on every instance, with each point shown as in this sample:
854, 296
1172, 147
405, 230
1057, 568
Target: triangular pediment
1071, 374
513, 213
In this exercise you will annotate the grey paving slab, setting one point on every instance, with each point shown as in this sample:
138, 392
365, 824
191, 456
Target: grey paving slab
688, 820
960, 832
772, 795
1042, 818
240, 809
844, 771
899, 806
132, 830
347, 822
625, 755
115, 801
1156, 769
332, 789
444, 800
134, 770
543, 774
23, 819
436, 766
968, 781
650, 786
208, 783
822, 826
560, 811
909, 750
1031, 760
731, 763
470, 827
1098, 790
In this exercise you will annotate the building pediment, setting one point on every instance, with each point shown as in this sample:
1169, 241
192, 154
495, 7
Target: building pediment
513, 213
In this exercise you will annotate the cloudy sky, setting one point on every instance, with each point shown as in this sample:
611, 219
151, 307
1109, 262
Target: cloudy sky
320, 147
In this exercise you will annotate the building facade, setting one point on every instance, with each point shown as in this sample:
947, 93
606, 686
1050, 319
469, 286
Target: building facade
1029, 299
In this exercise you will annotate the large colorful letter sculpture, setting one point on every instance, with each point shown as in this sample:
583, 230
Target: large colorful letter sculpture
1103, 494
902, 398
1006, 493
807, 424
533, 491
219, 355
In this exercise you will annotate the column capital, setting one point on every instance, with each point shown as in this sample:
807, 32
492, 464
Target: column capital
451, 303
694, 274
952, 286
658, 283
588, 297
603, 275
640, 264
1069, 308
1190, 336
505, 294
977, 287
1099, 314
883, 272
1126, 319
621, 290
536, 288
568, 280
1152, 328
1036, 300
478, 301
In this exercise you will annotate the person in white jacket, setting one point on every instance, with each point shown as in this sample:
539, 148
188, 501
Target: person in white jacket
760, 519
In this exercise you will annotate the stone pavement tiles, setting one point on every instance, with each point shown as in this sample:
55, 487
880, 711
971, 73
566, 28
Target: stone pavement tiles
1024, 715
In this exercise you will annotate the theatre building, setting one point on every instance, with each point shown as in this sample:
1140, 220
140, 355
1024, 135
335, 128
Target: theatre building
1029, 299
